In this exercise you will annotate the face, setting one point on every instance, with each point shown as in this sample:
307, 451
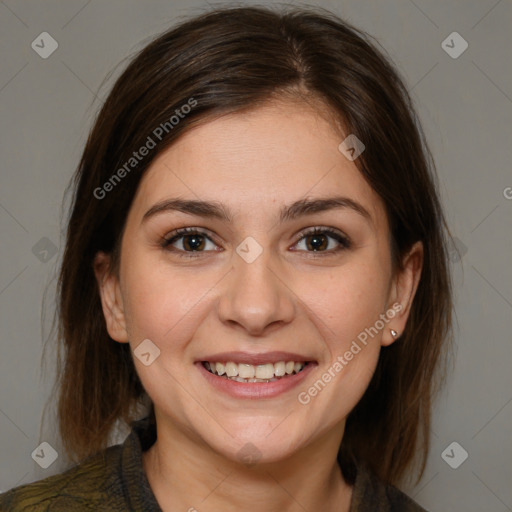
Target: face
257, 278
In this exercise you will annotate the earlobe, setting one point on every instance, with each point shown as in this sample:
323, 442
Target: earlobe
403, 291
111, 298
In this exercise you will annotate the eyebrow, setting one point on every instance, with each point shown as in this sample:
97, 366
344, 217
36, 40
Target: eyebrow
216, 210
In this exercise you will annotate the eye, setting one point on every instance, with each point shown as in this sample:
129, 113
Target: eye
317, 240
188, 240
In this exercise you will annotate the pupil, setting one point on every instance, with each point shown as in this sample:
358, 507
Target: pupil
194, 242
317, 241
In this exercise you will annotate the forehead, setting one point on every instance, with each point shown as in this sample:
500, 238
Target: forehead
257, 160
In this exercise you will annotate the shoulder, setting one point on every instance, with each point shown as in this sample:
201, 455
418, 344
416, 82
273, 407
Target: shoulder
90, 485
371, 494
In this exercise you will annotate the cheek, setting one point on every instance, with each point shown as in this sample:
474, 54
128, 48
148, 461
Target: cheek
346, 306
164, 304
347, 300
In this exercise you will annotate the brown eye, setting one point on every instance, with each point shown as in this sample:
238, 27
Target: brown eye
188, 240
320, 240
193, 242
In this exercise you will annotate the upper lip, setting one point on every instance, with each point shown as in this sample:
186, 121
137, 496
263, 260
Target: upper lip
255, 359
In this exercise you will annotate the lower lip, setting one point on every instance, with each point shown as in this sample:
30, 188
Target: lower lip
255, 390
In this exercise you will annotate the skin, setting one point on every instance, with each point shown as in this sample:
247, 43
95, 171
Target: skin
290, 298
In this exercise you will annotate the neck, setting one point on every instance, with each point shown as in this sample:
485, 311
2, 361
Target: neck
186, 474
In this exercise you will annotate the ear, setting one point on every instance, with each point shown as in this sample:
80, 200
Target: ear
111, 298
402, 291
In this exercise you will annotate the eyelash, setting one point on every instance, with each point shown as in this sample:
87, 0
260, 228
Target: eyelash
343, 240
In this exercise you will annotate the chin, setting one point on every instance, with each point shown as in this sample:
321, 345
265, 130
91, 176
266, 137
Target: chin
250, 449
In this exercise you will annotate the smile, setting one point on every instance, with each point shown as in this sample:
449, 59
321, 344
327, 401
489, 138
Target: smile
243, 372
255, 382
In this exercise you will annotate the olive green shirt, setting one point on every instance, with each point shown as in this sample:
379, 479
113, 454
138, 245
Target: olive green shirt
114, 480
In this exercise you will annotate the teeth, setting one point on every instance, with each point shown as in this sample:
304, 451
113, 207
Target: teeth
279, 369
249, 373
231, 369
265, 371
246, 371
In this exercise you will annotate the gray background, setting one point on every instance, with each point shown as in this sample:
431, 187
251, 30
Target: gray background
47, 106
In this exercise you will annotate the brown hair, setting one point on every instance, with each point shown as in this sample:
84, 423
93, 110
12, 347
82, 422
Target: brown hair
226, 61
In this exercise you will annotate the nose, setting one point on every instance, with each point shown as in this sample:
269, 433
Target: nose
256, 299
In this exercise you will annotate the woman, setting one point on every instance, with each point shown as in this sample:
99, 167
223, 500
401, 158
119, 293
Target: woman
256, 251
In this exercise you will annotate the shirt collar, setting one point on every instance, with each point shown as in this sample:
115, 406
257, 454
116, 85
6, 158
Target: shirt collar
135, 483
368, 493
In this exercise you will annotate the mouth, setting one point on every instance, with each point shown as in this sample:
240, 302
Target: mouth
261, 373
261, 380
